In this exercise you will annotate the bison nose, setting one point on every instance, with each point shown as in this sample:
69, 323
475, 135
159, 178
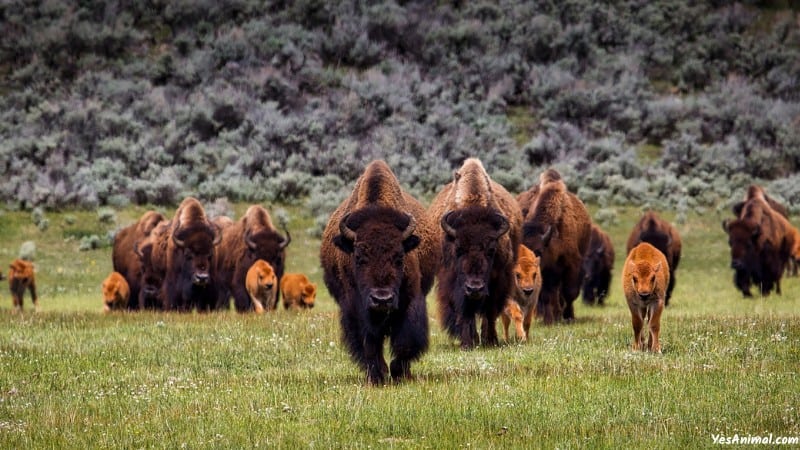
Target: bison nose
472, 287
527, 291
737, 264
201, 279
268, 285
381, 298
150, 291
645, 295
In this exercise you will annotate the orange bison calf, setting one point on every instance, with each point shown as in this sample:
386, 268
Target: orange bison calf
645, 277
116, 292
20, 277
298, 291
262, 286
520, 306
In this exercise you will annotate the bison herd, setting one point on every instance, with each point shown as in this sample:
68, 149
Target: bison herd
491, 254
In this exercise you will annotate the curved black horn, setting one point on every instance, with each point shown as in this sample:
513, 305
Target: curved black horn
248, 240
287, 240
178, 242
412, 225
137, 250
504, 225
345, 230
446, 226
217, 234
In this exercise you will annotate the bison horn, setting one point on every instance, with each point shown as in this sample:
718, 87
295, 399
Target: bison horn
725, 224
412, 225
504, 225
446, 225
346, 231
248, 240
547, 233
137, 250
286, 240
178, 242
217, 234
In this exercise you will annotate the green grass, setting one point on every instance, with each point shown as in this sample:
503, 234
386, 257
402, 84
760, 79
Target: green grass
72, 377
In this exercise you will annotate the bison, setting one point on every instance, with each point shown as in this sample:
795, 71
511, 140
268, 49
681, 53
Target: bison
189, 246
262, 286
379, 253
251, 238
645, 277
298, 291
116, 292
557, 229
21, 277
152, 254
597, 266
480, 232
124, 254
528, 284
662, 235
761, 244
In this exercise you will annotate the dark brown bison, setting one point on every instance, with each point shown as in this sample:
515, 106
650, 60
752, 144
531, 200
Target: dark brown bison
480, 231
597, 266
152, 254
247, 240
558, 230
20, 278
190, 243
379, 253
124, 255
761, 243
662, 235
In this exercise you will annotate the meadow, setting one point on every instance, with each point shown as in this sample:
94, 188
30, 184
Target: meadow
73, 377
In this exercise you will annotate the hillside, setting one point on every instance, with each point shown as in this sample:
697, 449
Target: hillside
660, 103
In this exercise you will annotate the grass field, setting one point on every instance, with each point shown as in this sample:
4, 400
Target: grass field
72, 377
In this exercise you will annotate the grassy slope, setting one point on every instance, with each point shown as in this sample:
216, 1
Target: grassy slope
71, 377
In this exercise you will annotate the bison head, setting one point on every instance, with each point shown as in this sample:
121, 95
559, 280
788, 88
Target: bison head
196, 243
644, 281
378, 239
537, 237
743, 239
527, 272
473, 234
268, 245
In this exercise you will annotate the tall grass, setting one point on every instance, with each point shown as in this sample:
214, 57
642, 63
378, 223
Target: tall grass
72, 377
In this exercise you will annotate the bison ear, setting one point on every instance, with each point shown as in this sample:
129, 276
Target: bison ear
410, 243
657, 268
737, 208
725, 224
547, 235
344, 244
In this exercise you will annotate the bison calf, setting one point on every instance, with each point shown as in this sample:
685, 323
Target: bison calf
261, 284
20, 277
297, 291
116, 292
645, 277
520, 306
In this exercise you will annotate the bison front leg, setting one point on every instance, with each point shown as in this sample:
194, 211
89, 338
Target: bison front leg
489, 329
409, 340
469, 331
655, 327
638, 322
34, 297
374, 361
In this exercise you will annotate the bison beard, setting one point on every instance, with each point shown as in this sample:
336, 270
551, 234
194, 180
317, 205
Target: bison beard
378, 295
468, 269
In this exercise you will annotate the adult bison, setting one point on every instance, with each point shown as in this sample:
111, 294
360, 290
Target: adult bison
247, 240
662, 235
189, 246
124, 256
480, 231
557, 228
379, 253
761, 244
152, 254
597, 266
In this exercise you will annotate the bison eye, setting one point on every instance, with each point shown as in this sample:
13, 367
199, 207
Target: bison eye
398, 260
635, 280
